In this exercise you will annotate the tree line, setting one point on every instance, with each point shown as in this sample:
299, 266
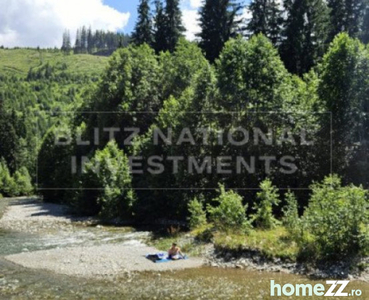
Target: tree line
88, 41
301, 29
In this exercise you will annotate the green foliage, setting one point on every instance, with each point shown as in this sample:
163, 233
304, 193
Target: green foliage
7, 184
267, 197
336, 218
197, 213
241, 60
343, 92
305, 34
181, 69
291, 218
218, 22
107, 183
20, 61
347, 16
230, 214
266, 19
23, 182
174, 28
54, 163
143, 31
17, 185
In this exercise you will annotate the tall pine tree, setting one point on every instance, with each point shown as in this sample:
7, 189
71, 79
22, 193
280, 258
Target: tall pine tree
259, 20
160, 41
66, 47
174, 26
305, 34
219, 23
266, 19
143, 31
364, 34
346, 16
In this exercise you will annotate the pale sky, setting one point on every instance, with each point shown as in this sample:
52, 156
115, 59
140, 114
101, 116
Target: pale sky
32, 23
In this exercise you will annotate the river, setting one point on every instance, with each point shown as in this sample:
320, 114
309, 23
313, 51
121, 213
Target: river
17, 282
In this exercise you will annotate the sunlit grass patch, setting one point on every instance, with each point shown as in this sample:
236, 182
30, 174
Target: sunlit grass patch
274, 243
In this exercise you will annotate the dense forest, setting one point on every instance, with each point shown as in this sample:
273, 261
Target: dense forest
98, 42
300, 67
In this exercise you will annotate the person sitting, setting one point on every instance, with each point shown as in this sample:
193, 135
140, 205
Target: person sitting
174, 252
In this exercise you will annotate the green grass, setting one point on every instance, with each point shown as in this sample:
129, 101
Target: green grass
20, 61
274, 243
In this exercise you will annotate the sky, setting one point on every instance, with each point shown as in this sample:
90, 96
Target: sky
33, 23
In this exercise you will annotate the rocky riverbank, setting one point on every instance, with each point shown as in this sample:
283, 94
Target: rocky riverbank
78, 250
108, 252
223, 258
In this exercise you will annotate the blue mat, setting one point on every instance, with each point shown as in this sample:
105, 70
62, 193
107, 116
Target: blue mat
159, 258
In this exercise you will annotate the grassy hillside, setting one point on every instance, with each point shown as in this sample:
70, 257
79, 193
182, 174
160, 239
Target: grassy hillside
20, 61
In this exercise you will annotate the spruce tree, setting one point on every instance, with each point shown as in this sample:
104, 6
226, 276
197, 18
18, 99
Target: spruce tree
66, 47
89, 40
78, 44
259, 20
266, 19
275, 21
305, 34
174, 26
143, 31
83, 39
160, 41
218, 21
364, 34
346, 16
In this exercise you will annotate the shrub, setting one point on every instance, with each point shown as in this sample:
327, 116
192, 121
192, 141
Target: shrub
108, 178
7, 183
22, 180
290, 213
268, 196
230, 213
337, 218
197, 213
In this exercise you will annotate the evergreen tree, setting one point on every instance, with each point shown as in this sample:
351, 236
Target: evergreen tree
305, 34
364, 35
66, 47
218, 21
346, 16
174, 26
143, 30
275, 21
83, 39
89, 40
160, 42
78, 44
259, 20
266, 19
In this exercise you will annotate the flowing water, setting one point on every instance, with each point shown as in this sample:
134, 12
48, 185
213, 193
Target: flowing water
205, 283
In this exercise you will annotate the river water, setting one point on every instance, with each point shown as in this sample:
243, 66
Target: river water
17, 282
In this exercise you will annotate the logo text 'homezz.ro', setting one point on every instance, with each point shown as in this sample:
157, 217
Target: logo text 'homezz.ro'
336, 288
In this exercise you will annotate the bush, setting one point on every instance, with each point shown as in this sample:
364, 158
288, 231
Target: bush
23, 180
290, 213
336, 219
230, 214
108, 178
268, 196
197, 214
8, 186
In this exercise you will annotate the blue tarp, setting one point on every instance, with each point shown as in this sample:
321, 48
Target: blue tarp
162, 258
